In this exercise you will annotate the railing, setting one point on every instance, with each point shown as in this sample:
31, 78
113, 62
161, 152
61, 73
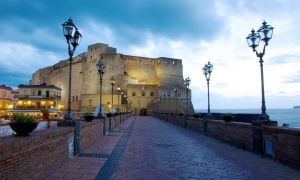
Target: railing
38, 97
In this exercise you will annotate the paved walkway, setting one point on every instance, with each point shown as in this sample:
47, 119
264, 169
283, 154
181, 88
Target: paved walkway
148, 148
97, 157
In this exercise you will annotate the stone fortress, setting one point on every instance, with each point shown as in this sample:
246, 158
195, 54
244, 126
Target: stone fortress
146, 83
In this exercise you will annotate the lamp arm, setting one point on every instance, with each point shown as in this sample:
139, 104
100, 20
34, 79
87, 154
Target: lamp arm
264, 50
256, 53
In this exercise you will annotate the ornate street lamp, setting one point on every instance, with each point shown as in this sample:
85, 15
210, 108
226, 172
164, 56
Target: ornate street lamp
169, 98
264, 33
122, 101
100, 68
187, 84
112, 82
158, 105
119, 91
207, 70
73, 37
175, 91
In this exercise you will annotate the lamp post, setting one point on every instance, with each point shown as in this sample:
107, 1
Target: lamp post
73, 37
169, 99
112, 82
158, 105
207, 70
126, 103
122, 101
119, 90
187, 84
100, 68
264, 33
175, 91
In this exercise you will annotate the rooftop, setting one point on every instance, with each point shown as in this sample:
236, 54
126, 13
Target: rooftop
44, 85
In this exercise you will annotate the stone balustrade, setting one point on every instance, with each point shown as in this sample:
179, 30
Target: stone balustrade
279, 143
32, 156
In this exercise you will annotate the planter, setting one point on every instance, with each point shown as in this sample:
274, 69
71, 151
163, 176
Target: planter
89, 118
227, 119
45, 115
23, 129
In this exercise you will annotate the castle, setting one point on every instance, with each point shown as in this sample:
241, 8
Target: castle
146, 83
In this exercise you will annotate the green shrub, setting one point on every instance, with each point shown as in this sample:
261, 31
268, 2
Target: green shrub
88, 114
227, 117
22, 118
44, 110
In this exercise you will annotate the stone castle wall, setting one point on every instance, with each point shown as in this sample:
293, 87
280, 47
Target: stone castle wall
128, 71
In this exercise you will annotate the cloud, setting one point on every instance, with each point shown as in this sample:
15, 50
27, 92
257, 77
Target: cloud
194, 31
284, 58
18, 61
295, 78
173, 19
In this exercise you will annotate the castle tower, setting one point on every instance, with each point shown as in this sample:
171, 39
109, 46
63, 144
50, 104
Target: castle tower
142, 80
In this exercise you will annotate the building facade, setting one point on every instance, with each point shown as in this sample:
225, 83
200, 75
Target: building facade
142, 81
5, 99
38, 97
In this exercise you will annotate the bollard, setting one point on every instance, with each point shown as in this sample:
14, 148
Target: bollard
77, 138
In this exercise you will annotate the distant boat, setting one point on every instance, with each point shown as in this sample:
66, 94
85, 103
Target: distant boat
296, 107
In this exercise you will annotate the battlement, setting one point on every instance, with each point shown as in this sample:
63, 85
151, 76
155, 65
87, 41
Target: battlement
101, 48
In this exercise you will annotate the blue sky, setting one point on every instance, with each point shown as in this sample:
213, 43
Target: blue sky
193, 30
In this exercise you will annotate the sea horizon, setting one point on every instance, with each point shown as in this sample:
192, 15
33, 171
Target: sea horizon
289, 116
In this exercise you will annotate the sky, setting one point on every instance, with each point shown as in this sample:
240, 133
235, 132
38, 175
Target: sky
196, 31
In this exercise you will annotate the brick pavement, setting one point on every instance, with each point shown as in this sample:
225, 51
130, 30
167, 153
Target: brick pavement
160, 150
147, 148
91, 160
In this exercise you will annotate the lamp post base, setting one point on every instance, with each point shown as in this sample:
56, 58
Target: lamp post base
69, 116
264, 117
209, 116
100, 116
264, 120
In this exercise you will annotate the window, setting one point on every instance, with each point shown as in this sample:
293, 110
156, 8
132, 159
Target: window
39, 92
143, 93
151, 93
133, 93
47, 93
76, 98
73, 98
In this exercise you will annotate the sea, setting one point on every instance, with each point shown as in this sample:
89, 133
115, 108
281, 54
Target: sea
287, 116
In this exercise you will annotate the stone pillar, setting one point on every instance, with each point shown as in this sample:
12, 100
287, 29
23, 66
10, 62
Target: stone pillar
257, 134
